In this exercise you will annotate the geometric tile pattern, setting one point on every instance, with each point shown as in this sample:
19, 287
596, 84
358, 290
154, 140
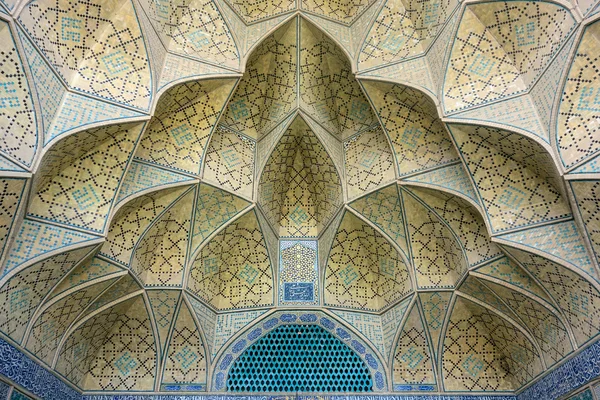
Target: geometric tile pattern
233, 269
230, 161
160, 254
510, 272
410, 119
91, 269
369, 162
214, 207
587, 195
329, 92
267, 92
47, 330
132, 220
113, 350
195, 29
185, 360
22, 293
11, 193
93, 50
363, 270
561, 240
163, 305
256, 10
390, 321
298, 273
18, 131
438, 257
299, 189
453, 178
384, 209
577, 298
514, 176
413, 359
37, 238
178, 134
342, 11
545, 326
228, 325
80, 175
140, 177
577, 128
465, 221
403, 29
367, 324
500, 50
484, 352
435, 305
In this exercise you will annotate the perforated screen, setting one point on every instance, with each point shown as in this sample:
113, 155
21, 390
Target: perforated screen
299, 358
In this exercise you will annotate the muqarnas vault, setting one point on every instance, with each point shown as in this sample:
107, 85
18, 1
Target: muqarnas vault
354, 198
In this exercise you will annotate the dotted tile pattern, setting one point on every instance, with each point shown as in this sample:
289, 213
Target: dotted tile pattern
233, 270
267, 92
230, 159
132, 220
11, 194
80, 176
261, 9
363, 270
329, 91
37, 238
418, 137
384, 209
159, 257
115, 348
578, 299
465, 222
180, 129
194, 29
412, 358
402, 30
489, 352
18, 130
438, 256
453, 178
435, 306
51, 325
339, 10
586, 195
390, 322
92, 50
299, 189
500, 50
185, 358
90, 269
298, 273
548, 330
369, 162
142, 177
214, 207
22, 293
514, 176
163, 304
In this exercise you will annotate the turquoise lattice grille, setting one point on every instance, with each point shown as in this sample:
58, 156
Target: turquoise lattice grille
299, 358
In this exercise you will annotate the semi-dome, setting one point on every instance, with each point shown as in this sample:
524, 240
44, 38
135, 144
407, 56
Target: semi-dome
299, 196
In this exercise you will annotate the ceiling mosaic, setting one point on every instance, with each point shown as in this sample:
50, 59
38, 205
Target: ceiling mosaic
184, 182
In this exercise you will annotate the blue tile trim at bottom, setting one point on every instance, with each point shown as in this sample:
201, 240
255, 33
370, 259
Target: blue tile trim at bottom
22, 370
568, 377
573, 374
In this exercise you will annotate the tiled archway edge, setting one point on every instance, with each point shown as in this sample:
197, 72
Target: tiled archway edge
17, 367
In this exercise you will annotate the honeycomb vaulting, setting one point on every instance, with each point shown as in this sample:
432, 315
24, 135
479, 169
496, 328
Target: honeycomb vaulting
300, 196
